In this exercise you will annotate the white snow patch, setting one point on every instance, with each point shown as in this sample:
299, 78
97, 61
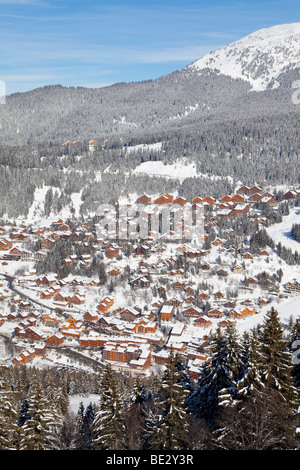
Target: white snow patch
258, 58
282, 232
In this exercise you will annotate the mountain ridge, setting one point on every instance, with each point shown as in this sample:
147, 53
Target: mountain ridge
197, 95
244, 58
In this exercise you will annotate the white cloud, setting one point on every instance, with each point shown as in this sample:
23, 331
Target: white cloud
24, 2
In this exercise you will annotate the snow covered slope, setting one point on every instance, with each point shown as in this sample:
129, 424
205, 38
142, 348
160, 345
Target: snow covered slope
258, 58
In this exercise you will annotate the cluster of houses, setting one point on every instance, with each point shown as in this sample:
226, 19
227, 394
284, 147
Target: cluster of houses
131, 338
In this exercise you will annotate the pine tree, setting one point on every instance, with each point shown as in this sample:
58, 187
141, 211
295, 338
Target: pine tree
136, 415
109, 428
78, 439
227, 395
8, 416
295, 349
263, 422
276, 360
215, 376
88, 426
251, 379
38, 432
171, 431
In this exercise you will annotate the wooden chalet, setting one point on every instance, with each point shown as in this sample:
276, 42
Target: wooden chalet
55, 340
167, 312
144, 200
215, 313
192, 312
105, 304
203, 321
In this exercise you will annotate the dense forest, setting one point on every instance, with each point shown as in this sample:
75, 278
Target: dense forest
246, 398
265, 153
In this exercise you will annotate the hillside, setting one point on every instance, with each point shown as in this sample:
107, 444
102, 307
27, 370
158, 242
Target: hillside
225, 127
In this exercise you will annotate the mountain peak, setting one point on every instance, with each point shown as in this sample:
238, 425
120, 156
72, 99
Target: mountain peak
258, 58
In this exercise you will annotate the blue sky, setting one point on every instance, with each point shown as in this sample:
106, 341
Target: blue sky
96, 43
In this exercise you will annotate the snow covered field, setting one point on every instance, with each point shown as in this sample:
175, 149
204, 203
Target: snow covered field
282, 232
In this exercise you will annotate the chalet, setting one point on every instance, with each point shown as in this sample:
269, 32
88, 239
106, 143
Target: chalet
237, 199
55, 340
203, 321
178, 329
91, 341
131, 354
166, 199
50, 320
262, 302
193, 253
130, 314
76, 299
112, 251
209, 200
205, 267
254, 190
177, 285
5, 244
247, 311
90, 317
229, 304
56, 225
197, 200
24, 305
226, 199
242, 208
162, 357
141, 250
190, 300
167, 312
237, 269
222, 273
72, 333
189, 290
145, 327
192, 312
243, 190
255, 197
180, 201
105, 304
218, 295
142, 282
214, 313
114, 272
226, 323
290, 195
48, 280
144, 200
175, 302
292, 286
29, 333
177, 346
270, 201
26, 255
47, 243
203, 296
251, 280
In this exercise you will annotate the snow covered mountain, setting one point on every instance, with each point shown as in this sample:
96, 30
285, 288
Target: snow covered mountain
258, 58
